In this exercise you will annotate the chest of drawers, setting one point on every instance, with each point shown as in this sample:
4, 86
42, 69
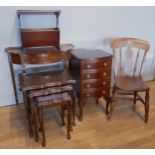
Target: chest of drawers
92, 71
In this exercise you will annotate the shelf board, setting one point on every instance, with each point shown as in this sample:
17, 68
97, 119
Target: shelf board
38, 29
38, 11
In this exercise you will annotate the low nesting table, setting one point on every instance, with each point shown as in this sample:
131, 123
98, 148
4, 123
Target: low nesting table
92, 70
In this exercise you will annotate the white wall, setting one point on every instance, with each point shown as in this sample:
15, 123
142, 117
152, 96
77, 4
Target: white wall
91, 27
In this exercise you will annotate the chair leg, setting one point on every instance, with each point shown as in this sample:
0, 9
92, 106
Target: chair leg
62, 115
69, 121
146, 106
113, 101
41, 119
135, 98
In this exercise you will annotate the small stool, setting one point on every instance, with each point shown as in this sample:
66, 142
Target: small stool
50, 101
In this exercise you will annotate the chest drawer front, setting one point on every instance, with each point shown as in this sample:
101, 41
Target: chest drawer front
93, 74
88, 65
90, 85
91, 94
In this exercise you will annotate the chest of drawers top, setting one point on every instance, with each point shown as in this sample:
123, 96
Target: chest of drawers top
89, 54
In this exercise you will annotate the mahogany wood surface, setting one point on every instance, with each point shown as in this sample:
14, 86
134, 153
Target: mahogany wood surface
45, 85
40, 37
92, 70
33, 38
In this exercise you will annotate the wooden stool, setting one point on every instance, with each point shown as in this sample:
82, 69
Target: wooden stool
50, 101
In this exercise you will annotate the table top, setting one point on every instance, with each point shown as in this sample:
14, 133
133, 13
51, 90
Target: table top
48, 51
19, 49
89, 53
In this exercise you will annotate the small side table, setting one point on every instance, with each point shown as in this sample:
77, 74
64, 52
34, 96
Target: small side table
14, 58
92, 70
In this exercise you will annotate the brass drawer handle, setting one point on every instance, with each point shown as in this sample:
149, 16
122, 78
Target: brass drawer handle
104, 73
88, 85
104, 92
104, 83
88, 95
88, 75
88, 66
105, 64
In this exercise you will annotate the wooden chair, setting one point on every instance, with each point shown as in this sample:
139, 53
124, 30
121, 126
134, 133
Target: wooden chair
129, 57
41, 80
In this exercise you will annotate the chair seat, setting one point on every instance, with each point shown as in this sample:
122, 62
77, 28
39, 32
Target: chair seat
131, 84
46, 79
53, 100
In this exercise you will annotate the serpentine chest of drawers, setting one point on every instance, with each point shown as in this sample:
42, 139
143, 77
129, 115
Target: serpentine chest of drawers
92, 71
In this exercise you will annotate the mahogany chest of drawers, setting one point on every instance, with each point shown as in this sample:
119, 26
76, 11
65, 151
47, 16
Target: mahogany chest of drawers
92, 71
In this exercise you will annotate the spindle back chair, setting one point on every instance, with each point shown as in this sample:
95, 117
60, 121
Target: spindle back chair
129, 57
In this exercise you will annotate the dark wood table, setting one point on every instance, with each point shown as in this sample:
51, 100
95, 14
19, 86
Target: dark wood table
91, 69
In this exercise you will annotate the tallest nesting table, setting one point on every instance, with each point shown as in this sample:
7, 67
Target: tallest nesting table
92, 71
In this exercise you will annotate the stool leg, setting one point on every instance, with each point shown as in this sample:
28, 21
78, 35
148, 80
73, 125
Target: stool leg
29, 114
73, 108
62, 115
69, 121
37, 110
35, 124
42, 126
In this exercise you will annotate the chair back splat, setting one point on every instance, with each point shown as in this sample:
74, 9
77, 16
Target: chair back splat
129, 56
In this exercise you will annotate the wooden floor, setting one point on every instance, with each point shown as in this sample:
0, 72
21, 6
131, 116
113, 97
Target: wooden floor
126, 129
